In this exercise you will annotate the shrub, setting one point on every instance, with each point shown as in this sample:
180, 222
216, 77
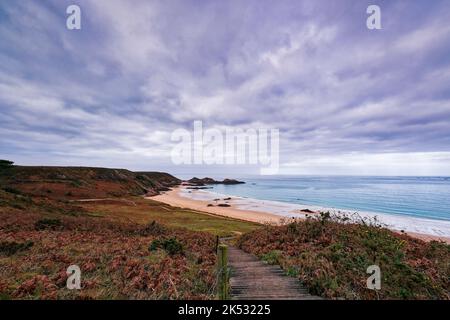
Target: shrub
5, 164
272, 257
12, 190
75, 183
153, 228
172, 246
292, 228
324, 217
11, 247
52, 224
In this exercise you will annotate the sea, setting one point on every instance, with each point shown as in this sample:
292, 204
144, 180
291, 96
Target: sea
415, 204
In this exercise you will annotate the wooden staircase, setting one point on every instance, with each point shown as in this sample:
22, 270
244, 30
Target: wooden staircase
252, 279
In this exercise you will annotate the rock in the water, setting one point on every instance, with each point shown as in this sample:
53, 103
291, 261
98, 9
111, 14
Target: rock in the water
205, 181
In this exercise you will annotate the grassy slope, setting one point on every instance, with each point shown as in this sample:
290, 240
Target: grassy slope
109, 240
144, 211
331, 259
83, 182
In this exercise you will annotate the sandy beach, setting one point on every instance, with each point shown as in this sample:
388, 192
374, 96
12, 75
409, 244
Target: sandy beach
176, 199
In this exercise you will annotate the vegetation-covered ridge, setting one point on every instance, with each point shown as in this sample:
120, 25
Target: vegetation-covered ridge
330, 255
127, 247
83, 182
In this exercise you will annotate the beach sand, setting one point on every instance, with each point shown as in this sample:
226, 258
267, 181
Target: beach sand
428, 237
174, 199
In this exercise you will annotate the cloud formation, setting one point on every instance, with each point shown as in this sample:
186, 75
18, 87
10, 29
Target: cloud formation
347, 100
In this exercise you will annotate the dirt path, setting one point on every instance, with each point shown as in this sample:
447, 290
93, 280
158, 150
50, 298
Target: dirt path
106, 199
254, 279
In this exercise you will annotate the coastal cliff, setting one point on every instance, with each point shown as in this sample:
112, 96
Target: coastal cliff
84, 182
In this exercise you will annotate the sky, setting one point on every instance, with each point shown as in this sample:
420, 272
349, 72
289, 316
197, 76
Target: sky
345, 99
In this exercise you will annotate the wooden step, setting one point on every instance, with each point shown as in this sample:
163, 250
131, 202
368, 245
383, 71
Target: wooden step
253, 279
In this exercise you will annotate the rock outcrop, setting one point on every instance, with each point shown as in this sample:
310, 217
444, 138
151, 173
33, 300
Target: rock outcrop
205, 181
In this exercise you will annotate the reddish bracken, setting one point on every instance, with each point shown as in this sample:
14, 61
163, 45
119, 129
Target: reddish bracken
331, 259
114, 259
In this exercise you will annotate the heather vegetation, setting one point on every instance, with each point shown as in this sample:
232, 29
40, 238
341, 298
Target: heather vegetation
114, 259
330, 256
5, 164
126, 247
82, 182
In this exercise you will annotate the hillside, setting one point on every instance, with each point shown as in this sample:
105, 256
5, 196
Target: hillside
330, 255
119, 258
83, 182
127, 247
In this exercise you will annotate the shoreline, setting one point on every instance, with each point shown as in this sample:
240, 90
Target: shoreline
176, 199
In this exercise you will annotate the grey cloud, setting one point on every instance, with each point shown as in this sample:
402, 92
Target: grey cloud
136, 72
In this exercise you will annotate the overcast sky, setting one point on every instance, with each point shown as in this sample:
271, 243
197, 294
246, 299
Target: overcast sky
347, 100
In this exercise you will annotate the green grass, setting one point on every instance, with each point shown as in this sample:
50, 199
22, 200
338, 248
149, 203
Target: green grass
213, 224
272, 257
147, 211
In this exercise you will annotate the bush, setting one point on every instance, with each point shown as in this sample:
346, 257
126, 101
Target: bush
12, 190
52, 224
152, 229
172, 246
9, 248
5, 164
273, 257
